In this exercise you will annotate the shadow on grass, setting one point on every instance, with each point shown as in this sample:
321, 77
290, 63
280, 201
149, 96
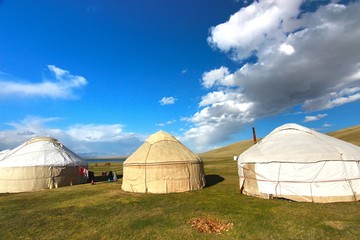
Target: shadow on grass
213, 179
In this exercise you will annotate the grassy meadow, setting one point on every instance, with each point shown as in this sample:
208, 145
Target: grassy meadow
104, 211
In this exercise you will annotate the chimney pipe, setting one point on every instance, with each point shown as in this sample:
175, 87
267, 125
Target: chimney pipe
254, 135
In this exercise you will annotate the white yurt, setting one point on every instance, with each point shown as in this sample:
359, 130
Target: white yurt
300, 164
40, 163
163, 165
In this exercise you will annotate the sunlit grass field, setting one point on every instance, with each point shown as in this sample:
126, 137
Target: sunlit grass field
104, 211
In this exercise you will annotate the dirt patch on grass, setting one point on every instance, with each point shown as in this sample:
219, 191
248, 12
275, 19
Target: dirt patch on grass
210, 225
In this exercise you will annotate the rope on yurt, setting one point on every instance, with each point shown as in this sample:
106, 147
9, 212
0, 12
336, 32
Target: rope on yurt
311, 192
177, 141
25, 179
347, 175
349, 182
323, 181
145, 166
189, 177
315, 182
164, 163
278, 181
189, 153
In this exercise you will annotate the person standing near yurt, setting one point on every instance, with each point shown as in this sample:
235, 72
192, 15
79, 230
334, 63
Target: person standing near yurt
115, 177
163, 165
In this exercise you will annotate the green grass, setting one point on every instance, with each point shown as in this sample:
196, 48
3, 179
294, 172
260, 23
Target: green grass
104, 211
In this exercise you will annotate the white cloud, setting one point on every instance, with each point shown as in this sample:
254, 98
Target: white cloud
314, 118
62, 87
66, 78
333, 99
302, 60
91, 139
96, 133
221, 96
167, 100
216, 122
220, 76
24, 130
59, 73
254, 27
286, 48
166, 123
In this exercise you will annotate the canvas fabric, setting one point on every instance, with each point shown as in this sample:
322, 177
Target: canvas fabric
163, 178
163, 165
40, 151
28, 179
40, 163
329, 170
295, 143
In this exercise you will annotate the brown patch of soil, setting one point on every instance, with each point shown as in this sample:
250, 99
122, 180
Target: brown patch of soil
210, 225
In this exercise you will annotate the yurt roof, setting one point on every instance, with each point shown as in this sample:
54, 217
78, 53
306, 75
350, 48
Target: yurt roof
163, 148
161, 136
3, 152
40, 151
295, 143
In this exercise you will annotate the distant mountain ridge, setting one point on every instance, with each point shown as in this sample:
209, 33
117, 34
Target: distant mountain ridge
351, 135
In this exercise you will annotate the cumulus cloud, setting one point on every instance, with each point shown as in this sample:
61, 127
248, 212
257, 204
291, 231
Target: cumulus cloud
314, 118
86, 140
333, 99
307, 59
261, 24
216, 77
62, 87
217, 120
167, 100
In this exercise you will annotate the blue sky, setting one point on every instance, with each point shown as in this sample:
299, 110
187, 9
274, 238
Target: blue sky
101, 76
